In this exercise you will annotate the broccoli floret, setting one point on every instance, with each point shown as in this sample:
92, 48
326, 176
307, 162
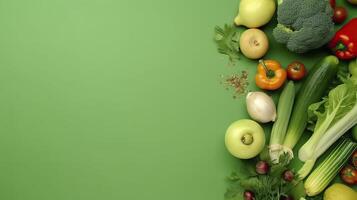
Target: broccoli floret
304, 24
288, 12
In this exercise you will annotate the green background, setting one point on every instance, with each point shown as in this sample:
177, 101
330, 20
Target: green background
107, 99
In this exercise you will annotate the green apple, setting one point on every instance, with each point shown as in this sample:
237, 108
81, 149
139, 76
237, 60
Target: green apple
245, 139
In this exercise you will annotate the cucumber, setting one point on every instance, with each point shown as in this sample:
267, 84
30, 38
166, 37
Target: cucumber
313, 88
354, 133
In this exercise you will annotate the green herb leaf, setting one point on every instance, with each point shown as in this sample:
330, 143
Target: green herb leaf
233, 193
227, 41
277, 169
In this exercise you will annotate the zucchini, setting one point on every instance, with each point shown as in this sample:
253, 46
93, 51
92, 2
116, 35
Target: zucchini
285, 105
313, 88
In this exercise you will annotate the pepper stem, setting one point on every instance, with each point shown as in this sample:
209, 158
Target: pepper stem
269, 73
340, 46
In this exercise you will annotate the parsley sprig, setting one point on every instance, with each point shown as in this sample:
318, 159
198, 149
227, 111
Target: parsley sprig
227, 41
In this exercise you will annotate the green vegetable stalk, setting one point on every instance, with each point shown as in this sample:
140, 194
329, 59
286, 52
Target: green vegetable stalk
285, 105
329, 168
335, 115
310, 92
339, 102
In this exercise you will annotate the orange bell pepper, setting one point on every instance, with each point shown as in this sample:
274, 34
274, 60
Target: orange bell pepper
270, 75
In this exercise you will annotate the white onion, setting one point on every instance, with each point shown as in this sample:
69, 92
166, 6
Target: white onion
261, 107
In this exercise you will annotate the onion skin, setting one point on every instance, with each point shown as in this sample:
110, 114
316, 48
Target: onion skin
288, 176
253, 43
261, 107
262, 167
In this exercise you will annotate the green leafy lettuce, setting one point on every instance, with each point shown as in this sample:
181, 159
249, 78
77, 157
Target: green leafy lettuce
324, 114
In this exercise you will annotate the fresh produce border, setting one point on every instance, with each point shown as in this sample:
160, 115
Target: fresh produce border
331, 149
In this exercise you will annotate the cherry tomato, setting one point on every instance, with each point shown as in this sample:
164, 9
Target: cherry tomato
333, 3
296, 71
354, 159
349, 175
339, 15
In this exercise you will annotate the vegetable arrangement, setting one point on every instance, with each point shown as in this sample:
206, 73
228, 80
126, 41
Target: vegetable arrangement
325, 103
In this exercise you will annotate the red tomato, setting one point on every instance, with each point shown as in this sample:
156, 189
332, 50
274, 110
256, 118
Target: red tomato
333, 3
296, 71
339, 15
349, 175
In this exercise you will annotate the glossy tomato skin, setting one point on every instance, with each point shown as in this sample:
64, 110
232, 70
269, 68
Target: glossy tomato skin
349, 175
296, 71
339, 14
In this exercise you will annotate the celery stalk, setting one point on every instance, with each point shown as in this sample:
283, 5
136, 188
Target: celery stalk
336, 131
335, 115
285, 105
329, 168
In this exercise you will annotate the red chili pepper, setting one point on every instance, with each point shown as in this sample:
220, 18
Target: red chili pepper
344, 43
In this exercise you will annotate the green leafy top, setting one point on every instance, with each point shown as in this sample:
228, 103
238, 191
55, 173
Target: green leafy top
327, 112
227, 41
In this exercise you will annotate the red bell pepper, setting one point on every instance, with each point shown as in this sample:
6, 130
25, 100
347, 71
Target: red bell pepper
344, 43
